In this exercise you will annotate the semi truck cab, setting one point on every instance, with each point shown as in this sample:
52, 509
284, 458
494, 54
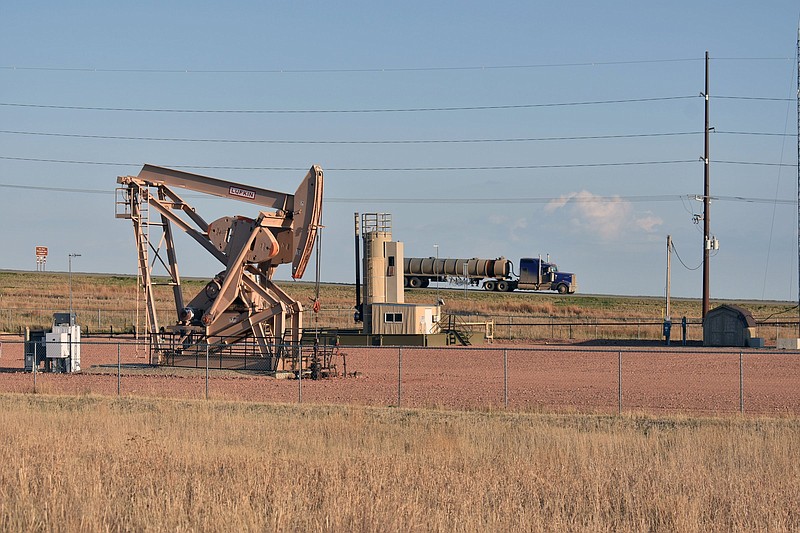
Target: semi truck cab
536, 274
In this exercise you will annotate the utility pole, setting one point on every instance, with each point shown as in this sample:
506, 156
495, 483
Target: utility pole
669, 274
71, 321
798, 177
706, 205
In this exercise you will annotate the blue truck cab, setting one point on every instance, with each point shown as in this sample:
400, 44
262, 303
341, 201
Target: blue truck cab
536, 274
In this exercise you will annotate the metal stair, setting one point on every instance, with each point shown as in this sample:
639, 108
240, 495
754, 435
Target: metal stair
455, 329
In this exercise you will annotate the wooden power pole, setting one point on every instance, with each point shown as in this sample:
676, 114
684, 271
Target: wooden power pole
668, 316
706, 205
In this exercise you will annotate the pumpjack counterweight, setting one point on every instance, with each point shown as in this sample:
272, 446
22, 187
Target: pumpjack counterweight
241, 306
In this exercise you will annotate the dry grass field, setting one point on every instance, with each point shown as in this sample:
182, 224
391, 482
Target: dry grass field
102, 302
89, 463
93, 462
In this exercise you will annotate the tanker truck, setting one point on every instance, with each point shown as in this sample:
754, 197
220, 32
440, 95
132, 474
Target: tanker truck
493, 274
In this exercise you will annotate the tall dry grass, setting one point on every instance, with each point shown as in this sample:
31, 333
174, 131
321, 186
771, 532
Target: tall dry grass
106, 302
96, 464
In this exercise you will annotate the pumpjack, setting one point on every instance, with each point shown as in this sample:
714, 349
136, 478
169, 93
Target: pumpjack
241, 305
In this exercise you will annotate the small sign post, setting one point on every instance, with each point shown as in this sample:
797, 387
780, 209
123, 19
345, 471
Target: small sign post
41, 258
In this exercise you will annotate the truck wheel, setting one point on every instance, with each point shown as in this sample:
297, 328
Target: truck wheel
503, 286
426, 282
489, 285
414, 282
562, 289
405, 281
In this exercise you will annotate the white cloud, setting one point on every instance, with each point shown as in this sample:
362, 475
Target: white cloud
606, 217
649, 223
558, 203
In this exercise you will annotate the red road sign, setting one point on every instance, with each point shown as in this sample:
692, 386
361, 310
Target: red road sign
41, 251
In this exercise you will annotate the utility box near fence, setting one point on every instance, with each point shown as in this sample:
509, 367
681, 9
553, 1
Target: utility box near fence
34, 348
63, 344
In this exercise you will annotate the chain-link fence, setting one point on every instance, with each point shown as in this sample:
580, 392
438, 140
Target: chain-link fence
541, 378
501, 327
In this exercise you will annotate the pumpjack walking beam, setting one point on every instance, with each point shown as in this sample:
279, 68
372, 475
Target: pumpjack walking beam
242, 301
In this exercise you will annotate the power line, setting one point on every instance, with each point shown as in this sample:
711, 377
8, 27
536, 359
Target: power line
408, 169
346, 70
756, 133
775, 201
757, 98
363, 141
54, 189
368, 169
681, 260
387, 141
444, 68
514, 200
751, 58
756, 163
326, 111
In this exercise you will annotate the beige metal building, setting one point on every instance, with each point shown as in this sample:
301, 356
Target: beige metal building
385, 310
405, 319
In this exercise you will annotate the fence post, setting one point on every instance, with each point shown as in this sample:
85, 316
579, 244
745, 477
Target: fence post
35, 363
619, 382
741, 384
206, 369
119, 368
399, 374
299, 374
505, 378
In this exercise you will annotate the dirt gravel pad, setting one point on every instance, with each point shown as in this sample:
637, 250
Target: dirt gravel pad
537, 378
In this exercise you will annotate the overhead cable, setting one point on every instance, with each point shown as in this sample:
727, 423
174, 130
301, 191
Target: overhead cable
348, 70
363, 141
376, 110
681, 260
448, 200
388, 141
408, 169
444, 68
367, 169
757, 98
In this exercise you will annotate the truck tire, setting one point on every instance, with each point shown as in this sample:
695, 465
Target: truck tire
414, 282
490, 285
426, 282
503, 286
562, 288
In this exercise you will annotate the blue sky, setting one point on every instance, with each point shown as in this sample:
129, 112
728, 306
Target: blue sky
527, 182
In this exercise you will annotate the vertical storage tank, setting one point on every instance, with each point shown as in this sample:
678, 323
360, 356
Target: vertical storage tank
383, 260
